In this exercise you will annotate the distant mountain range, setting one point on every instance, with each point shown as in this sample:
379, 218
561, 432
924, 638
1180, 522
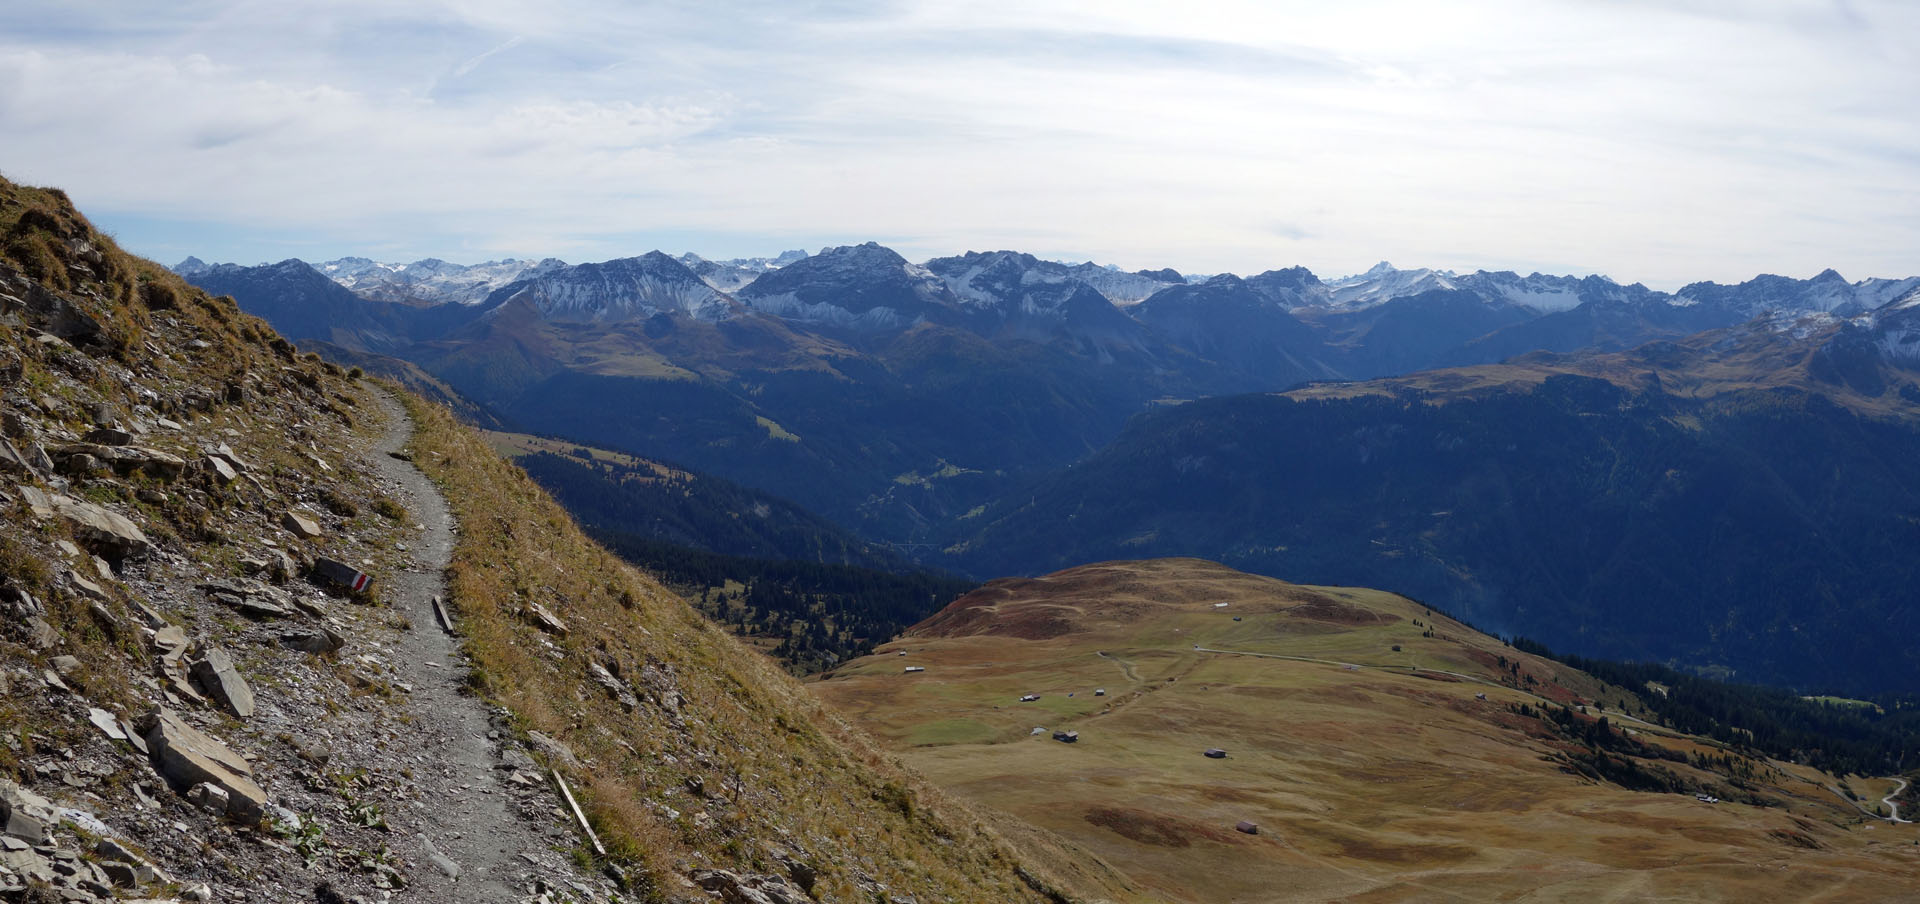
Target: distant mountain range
893, 396
1717, 476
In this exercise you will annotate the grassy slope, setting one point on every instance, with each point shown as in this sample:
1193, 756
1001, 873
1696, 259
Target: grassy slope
777, 767
1374, 783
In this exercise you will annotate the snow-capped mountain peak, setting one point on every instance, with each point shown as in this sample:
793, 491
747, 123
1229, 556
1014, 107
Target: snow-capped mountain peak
627, 288
428, 281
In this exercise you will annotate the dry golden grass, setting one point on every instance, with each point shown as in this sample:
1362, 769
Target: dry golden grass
771, 764
1380, 782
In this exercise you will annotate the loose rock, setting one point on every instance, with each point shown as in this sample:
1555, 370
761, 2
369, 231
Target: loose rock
220, 680
300, 526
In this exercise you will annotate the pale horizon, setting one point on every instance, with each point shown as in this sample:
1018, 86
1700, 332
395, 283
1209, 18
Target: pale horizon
1659, 143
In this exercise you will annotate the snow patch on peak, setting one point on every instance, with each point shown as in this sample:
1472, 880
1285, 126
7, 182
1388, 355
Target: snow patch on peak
1384, 283
788, 305
429, 280
1797, 325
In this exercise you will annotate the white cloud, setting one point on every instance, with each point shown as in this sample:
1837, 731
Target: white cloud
1659, 142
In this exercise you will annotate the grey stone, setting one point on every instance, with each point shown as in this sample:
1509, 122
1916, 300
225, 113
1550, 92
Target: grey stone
440, 861
37, 457
170, 643
87, 588
556, 751
155, 463
257, 606
67, 666
218, 679
323, 640
300, 525
545, 620
734, 888
40, 633
128, 875
24, 827
14, 461
81, 464
123, 459
108, 436
107, 722
222, 472
108, 532
39, 503
23, 814
186, 757
209, 797
57, 318
614, 686
227, 455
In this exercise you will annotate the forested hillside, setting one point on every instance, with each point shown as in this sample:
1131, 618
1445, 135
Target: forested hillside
1762, 534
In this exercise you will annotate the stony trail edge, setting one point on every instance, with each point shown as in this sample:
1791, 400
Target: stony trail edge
471, 837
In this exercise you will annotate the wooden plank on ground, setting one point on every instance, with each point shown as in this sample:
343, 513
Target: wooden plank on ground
440, 612
577, 815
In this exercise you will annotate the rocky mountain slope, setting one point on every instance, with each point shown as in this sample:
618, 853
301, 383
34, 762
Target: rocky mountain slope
1225, 737
249, 654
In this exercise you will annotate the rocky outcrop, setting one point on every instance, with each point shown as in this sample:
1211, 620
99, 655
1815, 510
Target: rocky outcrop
188, 758
105, 530
734, 888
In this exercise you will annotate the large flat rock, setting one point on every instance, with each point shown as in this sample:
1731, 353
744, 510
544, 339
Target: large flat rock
188, 757
107, 531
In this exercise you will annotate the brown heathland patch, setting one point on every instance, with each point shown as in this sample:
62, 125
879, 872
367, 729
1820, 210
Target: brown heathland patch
1152, 828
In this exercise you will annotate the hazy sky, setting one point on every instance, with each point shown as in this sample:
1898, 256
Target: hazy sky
1662, 142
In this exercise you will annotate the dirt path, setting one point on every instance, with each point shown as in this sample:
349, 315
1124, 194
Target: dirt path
467, 822
1892, 807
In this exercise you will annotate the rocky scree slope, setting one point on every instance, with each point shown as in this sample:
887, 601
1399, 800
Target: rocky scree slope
196, 701
202, 700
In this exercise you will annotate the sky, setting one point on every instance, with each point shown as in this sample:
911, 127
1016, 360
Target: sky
1657, 142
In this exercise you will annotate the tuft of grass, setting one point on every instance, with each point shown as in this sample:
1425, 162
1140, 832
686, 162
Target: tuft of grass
20, 563
387, 508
